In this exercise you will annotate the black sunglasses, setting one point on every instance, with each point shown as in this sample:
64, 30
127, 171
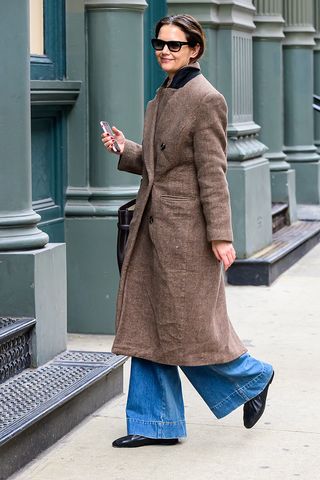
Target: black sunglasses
173, 45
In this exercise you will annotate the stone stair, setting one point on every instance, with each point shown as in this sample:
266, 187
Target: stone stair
40, 405
289, 244
280, 216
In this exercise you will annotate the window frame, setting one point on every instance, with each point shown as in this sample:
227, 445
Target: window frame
51, 65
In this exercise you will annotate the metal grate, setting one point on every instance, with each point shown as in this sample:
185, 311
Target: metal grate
32, 388
71, 356
7, 321
15, 336
34, 393
14, 356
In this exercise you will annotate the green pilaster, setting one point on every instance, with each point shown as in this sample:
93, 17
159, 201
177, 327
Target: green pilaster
112, 63
18, 221
153, 74
268, 98
78, 190
228, 64
316, 89
298, 91
32, 278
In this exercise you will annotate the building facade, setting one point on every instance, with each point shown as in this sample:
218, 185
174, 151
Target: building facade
91, 60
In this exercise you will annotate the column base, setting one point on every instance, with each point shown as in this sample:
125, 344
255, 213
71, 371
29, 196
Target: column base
307, 182
93, 275
283, 190
20, 232
277, 161
33, 284
249, 183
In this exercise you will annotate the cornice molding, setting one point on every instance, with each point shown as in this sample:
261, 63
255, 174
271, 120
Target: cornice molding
299, 29
237, 14
269, 26
299, 36
54, 92
206, 11
138, 5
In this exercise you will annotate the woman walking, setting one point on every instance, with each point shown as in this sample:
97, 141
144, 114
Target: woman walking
171, 307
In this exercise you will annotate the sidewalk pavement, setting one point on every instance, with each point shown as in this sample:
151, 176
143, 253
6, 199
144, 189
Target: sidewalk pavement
279, 324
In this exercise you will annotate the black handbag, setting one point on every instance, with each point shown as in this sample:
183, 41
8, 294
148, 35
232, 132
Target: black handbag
125, 214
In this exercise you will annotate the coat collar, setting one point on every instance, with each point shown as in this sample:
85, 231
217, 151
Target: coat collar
183, 76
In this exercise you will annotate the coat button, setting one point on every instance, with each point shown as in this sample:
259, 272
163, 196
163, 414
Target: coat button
150, 219
162, 146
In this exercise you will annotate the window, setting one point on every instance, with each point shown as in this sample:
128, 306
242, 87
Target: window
36, 27
47, 22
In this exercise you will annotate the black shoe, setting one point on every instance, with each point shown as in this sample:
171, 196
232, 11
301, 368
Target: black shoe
131, 441
254, 408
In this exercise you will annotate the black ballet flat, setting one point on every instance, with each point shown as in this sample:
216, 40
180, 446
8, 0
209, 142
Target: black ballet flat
254, 408
131, 441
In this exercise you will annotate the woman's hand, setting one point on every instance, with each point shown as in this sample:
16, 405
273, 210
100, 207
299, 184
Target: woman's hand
108, 140
224, 252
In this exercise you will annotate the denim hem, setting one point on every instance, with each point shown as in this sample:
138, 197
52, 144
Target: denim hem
156, 429
242, 394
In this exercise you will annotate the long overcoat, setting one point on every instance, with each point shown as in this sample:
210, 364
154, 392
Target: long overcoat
171, 305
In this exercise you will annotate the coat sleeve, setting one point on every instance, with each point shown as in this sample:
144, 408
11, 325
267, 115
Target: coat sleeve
210, 145
131, 159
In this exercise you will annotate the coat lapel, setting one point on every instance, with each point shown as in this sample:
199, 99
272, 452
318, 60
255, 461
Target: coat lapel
152, 119
148, 136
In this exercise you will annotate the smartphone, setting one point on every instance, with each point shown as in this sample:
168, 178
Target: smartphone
107, 129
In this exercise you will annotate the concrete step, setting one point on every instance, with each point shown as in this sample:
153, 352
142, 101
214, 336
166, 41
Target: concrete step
288, 246
280, 216
15, 348
39, 406
308, 212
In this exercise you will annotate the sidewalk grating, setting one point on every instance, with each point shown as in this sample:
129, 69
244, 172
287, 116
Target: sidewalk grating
34, 393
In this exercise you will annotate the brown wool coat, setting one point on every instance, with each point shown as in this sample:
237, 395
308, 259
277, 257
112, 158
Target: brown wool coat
171, 304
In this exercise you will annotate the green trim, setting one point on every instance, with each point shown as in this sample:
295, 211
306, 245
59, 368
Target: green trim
51, 203
98, 202
54, 92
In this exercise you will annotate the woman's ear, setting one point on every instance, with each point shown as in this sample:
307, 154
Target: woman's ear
195, 52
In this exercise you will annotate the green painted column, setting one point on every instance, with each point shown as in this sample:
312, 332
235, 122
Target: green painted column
298, 91
228, 65
316, 89
18, 221
112, 71
32, 278
268, 98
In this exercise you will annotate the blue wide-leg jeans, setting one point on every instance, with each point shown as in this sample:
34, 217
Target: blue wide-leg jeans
155, 406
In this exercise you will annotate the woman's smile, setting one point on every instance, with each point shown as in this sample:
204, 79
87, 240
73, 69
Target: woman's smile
172, 61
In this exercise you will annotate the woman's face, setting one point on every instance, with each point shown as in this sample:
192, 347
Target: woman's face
171, 62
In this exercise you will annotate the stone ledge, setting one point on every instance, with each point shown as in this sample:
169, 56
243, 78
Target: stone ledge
288, 246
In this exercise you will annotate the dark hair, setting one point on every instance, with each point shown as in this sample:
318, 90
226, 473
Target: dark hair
190, 26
